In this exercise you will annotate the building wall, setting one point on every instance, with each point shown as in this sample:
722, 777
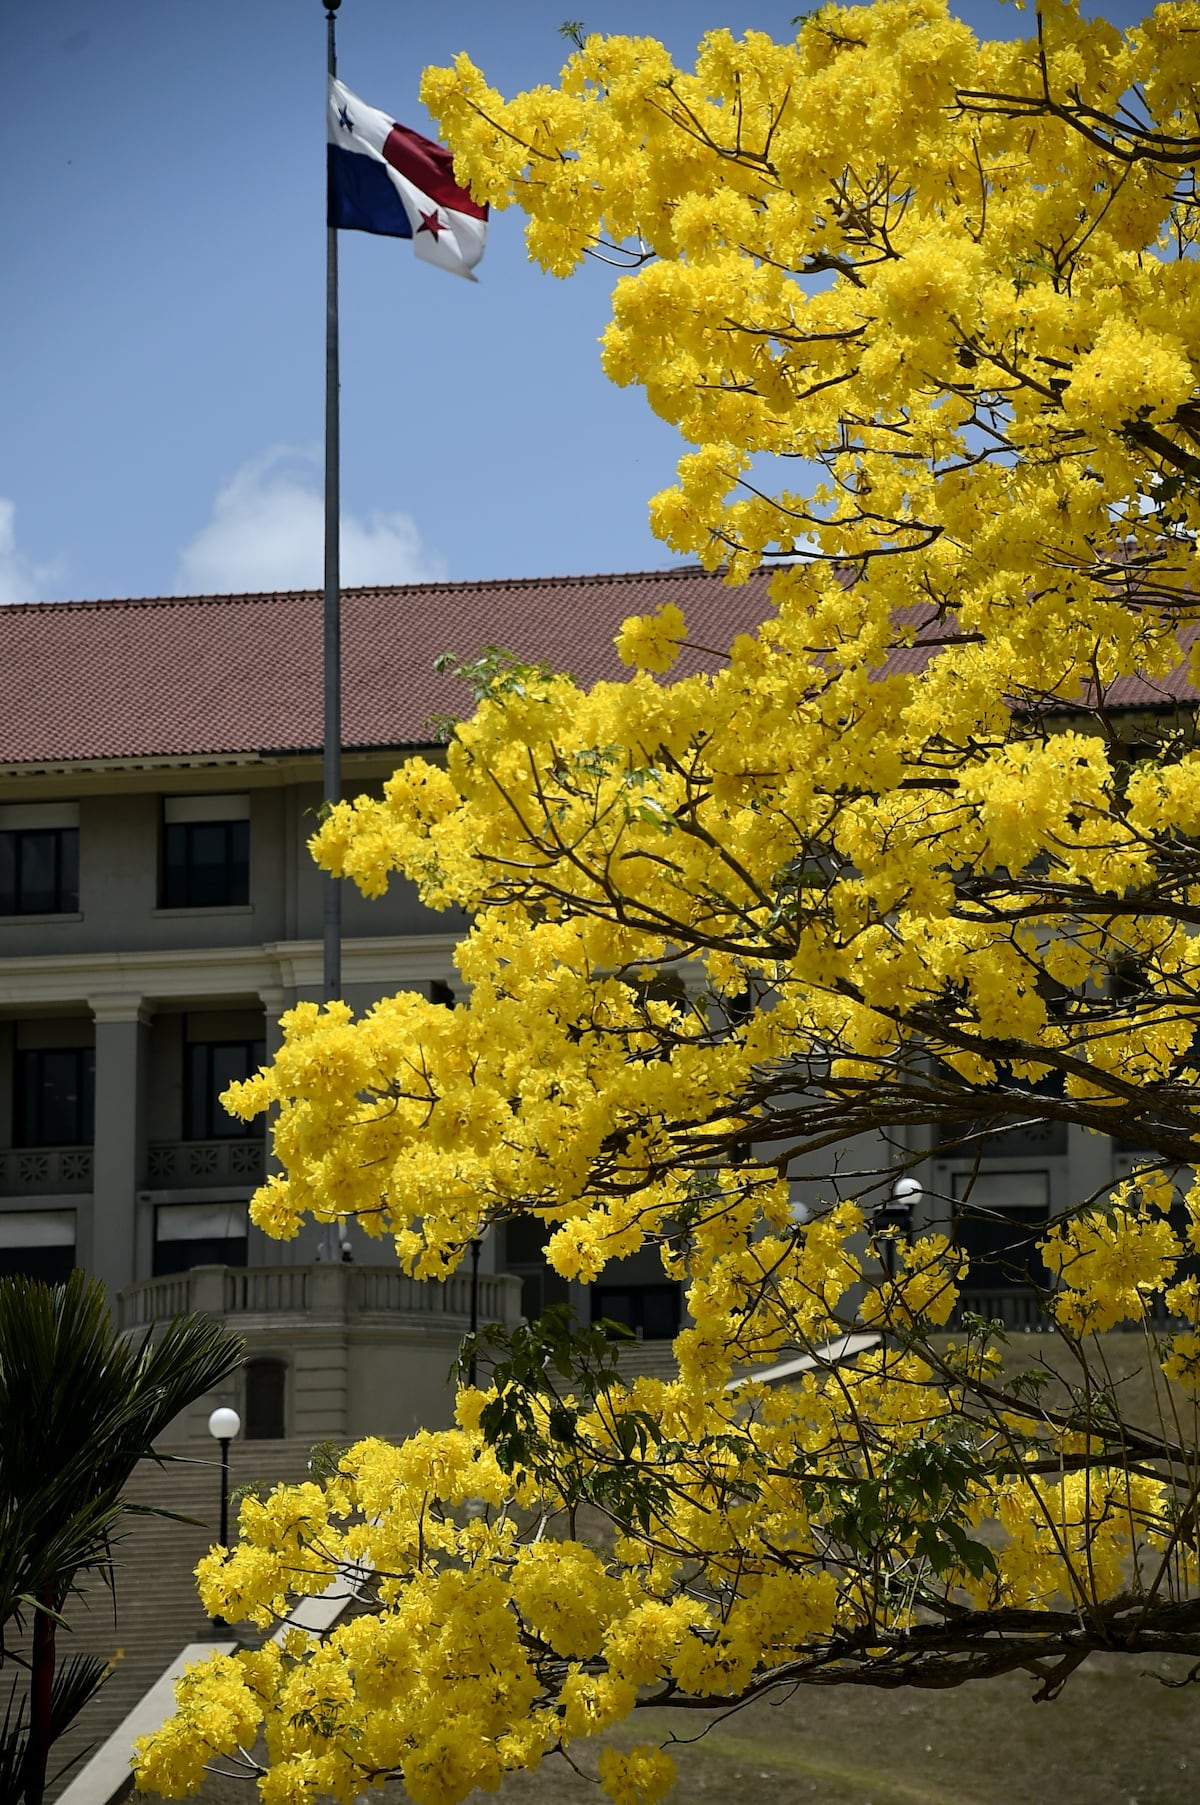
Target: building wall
136, 981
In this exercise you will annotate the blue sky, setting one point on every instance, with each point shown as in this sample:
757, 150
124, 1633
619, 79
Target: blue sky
162, 311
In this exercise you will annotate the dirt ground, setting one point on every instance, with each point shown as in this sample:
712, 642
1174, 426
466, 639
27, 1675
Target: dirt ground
1114, 1737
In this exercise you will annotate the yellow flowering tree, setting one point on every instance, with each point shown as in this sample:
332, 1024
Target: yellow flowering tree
915, 861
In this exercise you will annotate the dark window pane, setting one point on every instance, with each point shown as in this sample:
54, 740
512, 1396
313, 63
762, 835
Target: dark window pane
55, 1097
212, 1066
174, 865
39, 865
181, 1256
8, 873
524, 1241
650, 1311
228, 1065
266, 1391
239, 862
39, 871
230, 1061
87, 1092
209, 864
206, 864
24, 1101
613, 1306
999, 1218
51, 1264
660, 1312
1003, 1254
61, 1100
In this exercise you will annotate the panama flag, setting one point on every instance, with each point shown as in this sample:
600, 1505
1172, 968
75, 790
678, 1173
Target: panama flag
384, 178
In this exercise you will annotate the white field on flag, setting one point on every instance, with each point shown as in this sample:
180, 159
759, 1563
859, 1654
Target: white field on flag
442, 234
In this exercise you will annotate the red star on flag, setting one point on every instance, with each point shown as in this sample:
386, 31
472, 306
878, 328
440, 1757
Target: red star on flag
430, 222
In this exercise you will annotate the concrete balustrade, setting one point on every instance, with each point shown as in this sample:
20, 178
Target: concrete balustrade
367, 1350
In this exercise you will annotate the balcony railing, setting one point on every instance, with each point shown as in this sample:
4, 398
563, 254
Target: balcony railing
373, 1293
383, 1289
180, 1165
42, 1171
1013, 1309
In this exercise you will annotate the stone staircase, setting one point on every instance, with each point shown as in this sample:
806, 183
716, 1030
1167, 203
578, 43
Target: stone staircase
156, 1610
647, 1360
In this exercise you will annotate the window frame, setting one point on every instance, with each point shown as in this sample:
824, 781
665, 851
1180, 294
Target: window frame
189, 1217
990, 1273
48, 1236
640, 1316
201, 1102
27, 1095
185, 880
261, 1424
64, 889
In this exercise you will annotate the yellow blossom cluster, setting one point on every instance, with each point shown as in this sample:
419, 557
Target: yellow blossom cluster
652, 641
912, 864
492, 1639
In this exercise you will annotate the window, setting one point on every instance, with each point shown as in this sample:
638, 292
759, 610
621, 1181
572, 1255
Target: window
55, 1102
40, 1243
199, 1234
39, 859
525, 1258
651, 1311
211, 1066
206, 852
266, 1400
999, 1217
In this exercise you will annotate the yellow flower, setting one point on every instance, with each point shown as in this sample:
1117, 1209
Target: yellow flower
652, 641
641, 1777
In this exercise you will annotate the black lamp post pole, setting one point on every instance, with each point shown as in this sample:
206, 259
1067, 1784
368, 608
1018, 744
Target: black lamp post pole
895, 1219
476, 1250
219, 1622
224, 1446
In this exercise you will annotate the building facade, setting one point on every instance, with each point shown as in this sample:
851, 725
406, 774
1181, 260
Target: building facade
160, 775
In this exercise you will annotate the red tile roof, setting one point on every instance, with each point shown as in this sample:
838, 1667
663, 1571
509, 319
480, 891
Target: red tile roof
207, 675
197, 676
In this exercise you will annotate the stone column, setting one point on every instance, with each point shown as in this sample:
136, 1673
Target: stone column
321, 1357
261, 1250
120, 1141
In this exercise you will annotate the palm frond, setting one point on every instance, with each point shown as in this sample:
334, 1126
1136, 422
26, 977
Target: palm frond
76, 1683
79, 1407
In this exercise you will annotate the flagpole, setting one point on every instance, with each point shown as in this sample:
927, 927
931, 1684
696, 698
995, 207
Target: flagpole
330, 1243
332, 775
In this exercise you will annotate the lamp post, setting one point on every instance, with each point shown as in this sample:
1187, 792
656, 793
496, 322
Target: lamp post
897, 1214
476, 1250
223, 1426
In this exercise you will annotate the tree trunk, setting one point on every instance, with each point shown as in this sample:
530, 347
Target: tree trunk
41, 1701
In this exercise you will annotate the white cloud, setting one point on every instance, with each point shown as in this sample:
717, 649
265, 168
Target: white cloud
267, 531
20, 579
